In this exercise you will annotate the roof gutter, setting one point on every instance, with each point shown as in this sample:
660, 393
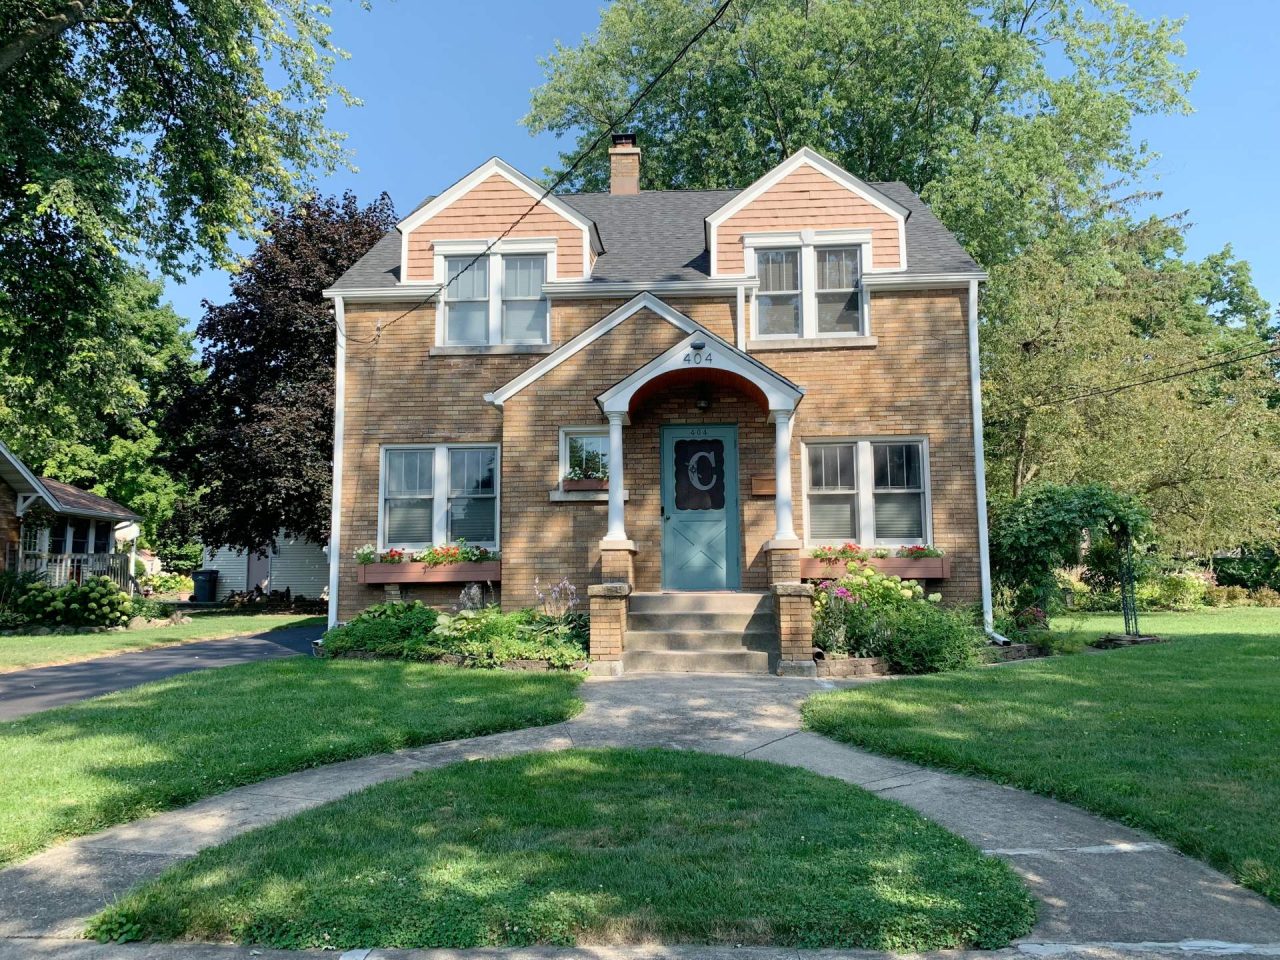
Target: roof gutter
921, 281
400, 293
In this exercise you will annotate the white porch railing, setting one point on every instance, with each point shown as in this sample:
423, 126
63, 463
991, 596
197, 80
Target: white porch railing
61, 568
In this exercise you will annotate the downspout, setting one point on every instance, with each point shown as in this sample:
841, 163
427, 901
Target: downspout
980, 468
339, 413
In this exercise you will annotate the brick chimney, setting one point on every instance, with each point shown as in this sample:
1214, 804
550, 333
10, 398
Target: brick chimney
624, 164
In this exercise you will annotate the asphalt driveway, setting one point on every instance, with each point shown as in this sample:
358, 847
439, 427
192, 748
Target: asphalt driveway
29, 691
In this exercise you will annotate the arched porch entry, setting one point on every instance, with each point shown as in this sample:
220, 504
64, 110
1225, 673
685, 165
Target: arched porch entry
676, 403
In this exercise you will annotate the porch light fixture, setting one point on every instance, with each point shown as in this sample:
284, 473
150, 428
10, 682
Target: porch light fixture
698, 345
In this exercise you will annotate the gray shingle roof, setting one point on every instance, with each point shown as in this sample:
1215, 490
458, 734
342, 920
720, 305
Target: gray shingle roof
73, 499
658, 235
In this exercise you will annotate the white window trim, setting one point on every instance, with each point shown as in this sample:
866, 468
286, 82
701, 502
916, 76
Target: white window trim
439, 492
864, 480
593, 430
808, 242
472, 248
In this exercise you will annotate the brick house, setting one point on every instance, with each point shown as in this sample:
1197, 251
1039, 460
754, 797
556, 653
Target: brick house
670, 396
79, 534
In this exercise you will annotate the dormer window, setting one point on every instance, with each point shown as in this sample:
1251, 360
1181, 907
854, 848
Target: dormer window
810, 285
466, 298
495, 299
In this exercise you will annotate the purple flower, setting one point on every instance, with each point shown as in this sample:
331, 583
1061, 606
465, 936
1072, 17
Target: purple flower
843, 593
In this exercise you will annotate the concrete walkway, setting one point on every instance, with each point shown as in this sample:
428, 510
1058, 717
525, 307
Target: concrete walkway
1104, 890
30, 691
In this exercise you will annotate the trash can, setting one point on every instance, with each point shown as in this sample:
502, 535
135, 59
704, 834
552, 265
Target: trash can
206, 585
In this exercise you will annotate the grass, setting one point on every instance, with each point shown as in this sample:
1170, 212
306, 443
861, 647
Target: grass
22, 651
80, 768
1182, 739
591, 846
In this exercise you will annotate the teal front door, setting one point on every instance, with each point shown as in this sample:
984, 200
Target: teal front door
700, 508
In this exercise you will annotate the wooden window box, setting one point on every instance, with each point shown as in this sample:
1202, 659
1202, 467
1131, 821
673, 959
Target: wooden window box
909, 568
588, 483
489, 571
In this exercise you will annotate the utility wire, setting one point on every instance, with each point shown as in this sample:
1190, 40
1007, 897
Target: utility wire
560, 180
1117, 388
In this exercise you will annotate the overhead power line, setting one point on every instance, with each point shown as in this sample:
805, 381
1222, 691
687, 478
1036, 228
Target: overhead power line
560, 180
1174, 375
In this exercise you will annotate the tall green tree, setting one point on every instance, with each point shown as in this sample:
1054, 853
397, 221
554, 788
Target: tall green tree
81, 396
998, 112
255, 437
157, 126
1013, 118
1093, 344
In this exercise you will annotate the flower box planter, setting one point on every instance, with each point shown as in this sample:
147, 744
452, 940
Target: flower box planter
489, 571
909, 568
588, 483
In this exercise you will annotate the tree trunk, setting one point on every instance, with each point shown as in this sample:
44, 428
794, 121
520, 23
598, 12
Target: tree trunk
15, 48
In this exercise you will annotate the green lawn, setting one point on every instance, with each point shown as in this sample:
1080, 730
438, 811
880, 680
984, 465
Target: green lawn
1182, 738
27, 650
77, 769
591, 846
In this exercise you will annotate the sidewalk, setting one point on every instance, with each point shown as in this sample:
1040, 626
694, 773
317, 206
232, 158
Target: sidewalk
1104, 890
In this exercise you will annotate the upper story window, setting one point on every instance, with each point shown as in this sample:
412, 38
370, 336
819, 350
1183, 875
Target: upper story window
810, 290
838, 294
778, 302
466, 299
524, 309
495, 299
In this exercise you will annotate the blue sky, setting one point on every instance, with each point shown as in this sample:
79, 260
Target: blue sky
445, 85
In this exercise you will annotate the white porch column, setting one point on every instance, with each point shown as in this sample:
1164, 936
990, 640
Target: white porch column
783, 515
617, 524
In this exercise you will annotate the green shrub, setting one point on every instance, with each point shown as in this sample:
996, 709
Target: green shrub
1255, 567
1181, 591
385, 630
924, 638
168, 583
486, 637
1232, 596
152, 609
1265, 597
868, 614
97, 602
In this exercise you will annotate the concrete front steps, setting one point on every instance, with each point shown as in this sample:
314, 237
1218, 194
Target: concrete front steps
700, 633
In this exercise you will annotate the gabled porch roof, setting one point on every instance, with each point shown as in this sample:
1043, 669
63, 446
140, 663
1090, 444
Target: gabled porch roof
61, 497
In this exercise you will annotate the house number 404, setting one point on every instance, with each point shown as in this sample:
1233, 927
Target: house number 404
697, 357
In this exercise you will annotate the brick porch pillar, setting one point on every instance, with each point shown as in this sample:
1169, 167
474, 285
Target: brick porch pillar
784, 561
793, 604
793, 608
617, 561
608, 602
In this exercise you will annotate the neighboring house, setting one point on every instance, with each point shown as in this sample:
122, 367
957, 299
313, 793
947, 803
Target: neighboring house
296, 565
759, 371
84, 538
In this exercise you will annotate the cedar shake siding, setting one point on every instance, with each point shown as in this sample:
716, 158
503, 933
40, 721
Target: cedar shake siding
487, 212
807, 199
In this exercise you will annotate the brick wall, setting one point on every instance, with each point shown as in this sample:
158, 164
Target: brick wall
915, 382
8, 522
